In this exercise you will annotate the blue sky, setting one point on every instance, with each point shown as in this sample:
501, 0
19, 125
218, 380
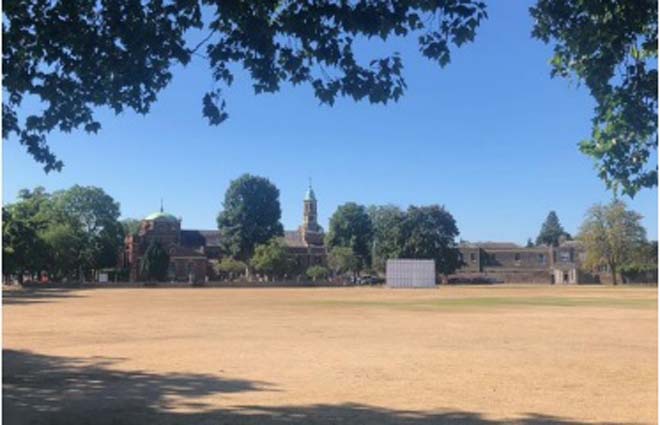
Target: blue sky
492, 137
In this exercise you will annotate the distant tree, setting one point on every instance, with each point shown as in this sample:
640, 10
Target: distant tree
272, 259
342, 260
551, 231
230, 268
430, 232
612, 47
388, 239
644, 262
23, 247
251, 215
64, 244
529, 243
155, 262
130, 226
94, 215
72, 58
611, 235
317, 273
350, 226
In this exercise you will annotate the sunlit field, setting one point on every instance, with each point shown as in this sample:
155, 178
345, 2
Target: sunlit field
453, 355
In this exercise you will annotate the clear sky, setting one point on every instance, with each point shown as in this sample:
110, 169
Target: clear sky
492, 137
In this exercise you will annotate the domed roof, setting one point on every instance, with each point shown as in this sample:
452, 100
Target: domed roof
161, 216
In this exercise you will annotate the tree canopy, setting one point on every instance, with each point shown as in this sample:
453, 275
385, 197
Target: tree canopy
551, 231
611, 47
342, 260
387, 221
272, 259
350, 226
69, 232
251, 215
155, 262
24, 249
73, 57
430, 232
612, 236
426, 232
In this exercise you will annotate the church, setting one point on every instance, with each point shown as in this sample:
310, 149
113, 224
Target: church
194, 253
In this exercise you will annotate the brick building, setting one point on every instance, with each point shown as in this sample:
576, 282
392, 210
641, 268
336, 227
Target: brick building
187, 263
194, 252
306, 243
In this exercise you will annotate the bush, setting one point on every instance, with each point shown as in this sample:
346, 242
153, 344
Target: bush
317, 273
229, 268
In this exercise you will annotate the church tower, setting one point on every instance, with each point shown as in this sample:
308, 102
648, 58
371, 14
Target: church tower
311, 232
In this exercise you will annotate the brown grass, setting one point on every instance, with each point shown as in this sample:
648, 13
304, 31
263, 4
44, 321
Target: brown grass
458, 355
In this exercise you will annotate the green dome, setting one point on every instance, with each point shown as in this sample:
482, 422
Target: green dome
160, 215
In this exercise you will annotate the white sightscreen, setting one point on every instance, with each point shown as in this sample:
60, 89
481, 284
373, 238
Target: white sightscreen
410, 273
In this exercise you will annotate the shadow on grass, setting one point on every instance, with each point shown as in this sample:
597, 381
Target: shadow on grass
37, 295
47, 390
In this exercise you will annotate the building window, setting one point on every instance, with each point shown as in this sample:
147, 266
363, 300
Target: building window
473, 257
541, 258
516, 256
564, 256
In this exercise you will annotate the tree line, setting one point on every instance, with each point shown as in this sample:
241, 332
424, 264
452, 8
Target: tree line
359, 238
69, 234
74, 233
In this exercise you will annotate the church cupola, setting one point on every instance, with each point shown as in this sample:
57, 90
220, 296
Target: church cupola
310, 230
309, 209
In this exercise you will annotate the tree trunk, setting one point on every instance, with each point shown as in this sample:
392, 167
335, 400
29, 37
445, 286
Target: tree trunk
613, 269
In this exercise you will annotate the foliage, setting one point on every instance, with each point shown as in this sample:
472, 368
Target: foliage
155, 262
317, 273
75, 56
611, 235
342, 260
612, 47
386, 221
130, 226
230, 267
23, 247
251, 215
93, 215
68, 233
551, 231
350, 226
644, 260
63, 243
272, 259
529, 243
430, 232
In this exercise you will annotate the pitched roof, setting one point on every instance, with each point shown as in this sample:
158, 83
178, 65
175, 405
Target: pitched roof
293, 238
197, 238
183, 251
491, 245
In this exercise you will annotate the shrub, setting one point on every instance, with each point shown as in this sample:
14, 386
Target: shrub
317, 273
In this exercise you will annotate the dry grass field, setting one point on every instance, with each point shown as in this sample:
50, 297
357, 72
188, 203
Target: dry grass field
454, 355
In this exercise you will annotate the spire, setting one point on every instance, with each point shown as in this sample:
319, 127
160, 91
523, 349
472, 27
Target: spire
310, 196
161, 204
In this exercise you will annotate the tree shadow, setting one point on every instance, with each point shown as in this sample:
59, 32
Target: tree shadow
47, 390
23, 296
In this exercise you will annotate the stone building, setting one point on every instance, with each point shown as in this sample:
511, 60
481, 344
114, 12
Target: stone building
509, 262
194, 252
